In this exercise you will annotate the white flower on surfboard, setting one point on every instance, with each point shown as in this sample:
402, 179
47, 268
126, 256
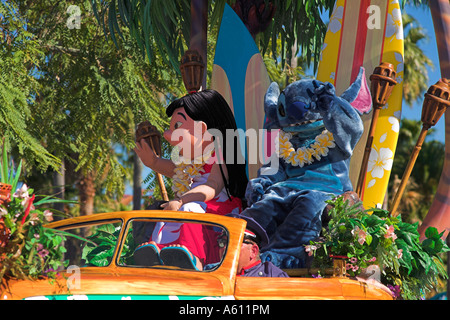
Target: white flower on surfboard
395, 124
380, 161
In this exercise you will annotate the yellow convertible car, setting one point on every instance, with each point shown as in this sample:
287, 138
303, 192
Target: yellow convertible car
101, 266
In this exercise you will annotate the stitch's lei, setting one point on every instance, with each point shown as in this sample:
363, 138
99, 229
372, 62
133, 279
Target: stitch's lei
304, 155
185, 172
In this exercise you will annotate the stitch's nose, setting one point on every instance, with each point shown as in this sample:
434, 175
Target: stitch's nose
297, 110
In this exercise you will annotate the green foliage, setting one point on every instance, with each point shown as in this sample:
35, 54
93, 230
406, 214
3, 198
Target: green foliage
30, 250
153, 24
297, 24
8, 175
100, 249
164, 25
414, 2
19, 56
374, 237
83, 95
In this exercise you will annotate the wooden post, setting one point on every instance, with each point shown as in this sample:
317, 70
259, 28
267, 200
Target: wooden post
408, 170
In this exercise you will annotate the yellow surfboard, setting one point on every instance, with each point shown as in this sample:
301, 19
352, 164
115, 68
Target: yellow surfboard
366, 33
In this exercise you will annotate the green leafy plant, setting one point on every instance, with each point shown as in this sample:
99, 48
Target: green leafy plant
100, 248
367, 237
9, 176
28, 250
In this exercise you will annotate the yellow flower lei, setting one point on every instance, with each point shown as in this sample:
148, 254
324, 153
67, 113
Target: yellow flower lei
185, 172
304, 155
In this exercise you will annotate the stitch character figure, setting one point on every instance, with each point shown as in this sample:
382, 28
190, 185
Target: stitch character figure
318, 132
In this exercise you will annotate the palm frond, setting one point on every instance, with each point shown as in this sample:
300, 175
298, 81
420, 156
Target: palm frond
166, 25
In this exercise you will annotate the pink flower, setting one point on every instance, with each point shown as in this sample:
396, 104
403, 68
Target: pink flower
34, 217
400, 254
361, 234
353, 260
390, 233
310, 249
48, 215
373, 259
22, 192
352, 267
43, 253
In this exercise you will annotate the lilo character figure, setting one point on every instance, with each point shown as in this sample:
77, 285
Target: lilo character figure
317, 134
198, 128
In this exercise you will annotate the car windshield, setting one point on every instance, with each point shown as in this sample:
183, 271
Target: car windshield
147, 243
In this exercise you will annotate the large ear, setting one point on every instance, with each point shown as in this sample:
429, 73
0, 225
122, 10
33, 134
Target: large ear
358, 94
271, 105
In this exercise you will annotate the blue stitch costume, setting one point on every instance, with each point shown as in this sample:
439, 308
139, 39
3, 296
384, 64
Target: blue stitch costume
289, 202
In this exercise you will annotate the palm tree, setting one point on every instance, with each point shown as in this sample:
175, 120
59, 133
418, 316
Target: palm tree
165, 24
415, 61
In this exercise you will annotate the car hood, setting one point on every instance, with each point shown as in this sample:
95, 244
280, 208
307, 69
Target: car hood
122, 283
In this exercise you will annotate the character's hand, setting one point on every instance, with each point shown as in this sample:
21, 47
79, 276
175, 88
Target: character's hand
173, 205
256, 189
145, 153
324, 93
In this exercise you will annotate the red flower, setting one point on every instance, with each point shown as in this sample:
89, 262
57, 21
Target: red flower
27, 210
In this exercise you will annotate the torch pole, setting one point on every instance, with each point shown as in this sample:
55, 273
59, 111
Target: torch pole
434, 106
382, 84
408, 170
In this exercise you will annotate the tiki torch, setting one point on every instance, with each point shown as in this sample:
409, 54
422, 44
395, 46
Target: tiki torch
382, 84
149, 133
192, 68
434, 106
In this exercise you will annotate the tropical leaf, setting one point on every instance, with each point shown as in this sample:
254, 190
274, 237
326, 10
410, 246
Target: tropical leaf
100, 256
408, 232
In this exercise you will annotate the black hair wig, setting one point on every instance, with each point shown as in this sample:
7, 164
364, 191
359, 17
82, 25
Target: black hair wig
210, 107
